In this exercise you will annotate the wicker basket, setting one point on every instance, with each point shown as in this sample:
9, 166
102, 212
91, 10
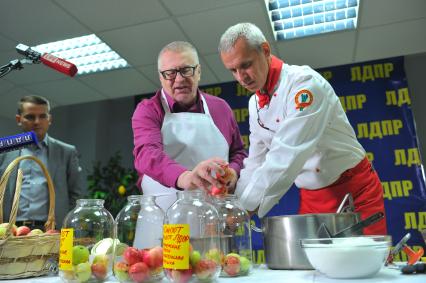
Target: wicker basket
27, 256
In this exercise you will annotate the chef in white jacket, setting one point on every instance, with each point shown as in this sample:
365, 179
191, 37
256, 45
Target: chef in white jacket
299, 133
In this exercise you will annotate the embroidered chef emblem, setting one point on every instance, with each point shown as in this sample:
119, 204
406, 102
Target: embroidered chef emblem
303, 99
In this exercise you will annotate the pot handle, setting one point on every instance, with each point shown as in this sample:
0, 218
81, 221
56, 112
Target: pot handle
255, 228
350, 207
347, 232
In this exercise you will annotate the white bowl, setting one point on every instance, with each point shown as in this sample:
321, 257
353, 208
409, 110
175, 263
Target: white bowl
350, 257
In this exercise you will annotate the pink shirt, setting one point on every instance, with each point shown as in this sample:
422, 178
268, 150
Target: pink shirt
147, 120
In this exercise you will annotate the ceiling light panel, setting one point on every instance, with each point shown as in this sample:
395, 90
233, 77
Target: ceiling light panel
299, 18
89, 53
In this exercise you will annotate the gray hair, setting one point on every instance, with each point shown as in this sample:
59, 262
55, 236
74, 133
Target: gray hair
178, 46
249, 31
35, 99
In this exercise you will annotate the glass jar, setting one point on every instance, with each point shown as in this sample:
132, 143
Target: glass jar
87, 243
235, 236
196, 252
138, 255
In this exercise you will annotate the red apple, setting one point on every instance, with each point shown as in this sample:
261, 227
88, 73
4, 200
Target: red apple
22, 231
226, 177
215, 191
99, 270
154, 257
205, 269
52, 231
142, 253
232, 265
131, 255
179, 276
139, 272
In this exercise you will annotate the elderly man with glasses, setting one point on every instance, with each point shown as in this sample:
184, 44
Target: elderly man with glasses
183, 136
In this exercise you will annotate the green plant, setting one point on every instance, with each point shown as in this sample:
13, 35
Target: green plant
113, 183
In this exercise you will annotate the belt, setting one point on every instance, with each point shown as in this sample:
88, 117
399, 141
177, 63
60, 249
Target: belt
30, 223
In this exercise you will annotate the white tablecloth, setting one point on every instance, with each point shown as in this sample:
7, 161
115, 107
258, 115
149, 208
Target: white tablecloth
262, 274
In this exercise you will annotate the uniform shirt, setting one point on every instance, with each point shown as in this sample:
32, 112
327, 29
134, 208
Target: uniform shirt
309, 140
34, 198
149, 155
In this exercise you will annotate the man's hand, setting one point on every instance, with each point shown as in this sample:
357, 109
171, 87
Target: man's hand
230, 181
201, 176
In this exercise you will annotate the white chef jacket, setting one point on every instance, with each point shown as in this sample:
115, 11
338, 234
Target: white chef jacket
310, 147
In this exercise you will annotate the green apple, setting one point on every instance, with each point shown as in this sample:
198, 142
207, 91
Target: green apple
194, 258
119, 249
121, 270
2, 231
14, 227
80, 254
83, 271
101, 259
35, 232
245, 264
215, 255
67, 274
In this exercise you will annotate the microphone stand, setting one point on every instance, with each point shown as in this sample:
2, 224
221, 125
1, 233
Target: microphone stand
15, 65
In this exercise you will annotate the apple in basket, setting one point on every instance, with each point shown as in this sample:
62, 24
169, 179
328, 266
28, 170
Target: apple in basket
22, 231
2, 231
35, 232
13, 227
52, 231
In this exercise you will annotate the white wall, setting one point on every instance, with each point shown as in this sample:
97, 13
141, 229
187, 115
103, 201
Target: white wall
99, 129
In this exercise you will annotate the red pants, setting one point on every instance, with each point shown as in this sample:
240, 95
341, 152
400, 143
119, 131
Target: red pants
363, 183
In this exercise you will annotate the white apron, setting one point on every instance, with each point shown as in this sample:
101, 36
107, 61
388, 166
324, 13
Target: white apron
188, 138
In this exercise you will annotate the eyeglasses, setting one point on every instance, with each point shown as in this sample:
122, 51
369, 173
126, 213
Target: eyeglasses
258, 118
185, 72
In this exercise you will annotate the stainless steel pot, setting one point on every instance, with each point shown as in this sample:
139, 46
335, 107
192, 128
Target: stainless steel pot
282, 234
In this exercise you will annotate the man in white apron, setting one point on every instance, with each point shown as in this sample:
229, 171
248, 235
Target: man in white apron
299, 133
181, 135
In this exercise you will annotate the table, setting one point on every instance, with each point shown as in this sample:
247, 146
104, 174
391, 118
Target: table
262, 274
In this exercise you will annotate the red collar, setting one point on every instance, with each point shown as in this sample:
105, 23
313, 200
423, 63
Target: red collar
264, 96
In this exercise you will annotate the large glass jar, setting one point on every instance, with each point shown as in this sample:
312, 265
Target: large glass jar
235, 236
138, 253
201, 261
87, 243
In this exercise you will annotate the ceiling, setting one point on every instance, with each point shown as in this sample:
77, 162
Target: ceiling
138, 29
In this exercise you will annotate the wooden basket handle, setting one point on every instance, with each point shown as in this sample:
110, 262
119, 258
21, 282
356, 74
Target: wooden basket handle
50, 223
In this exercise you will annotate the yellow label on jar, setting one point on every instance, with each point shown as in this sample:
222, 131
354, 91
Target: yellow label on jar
176, 246
65, 249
